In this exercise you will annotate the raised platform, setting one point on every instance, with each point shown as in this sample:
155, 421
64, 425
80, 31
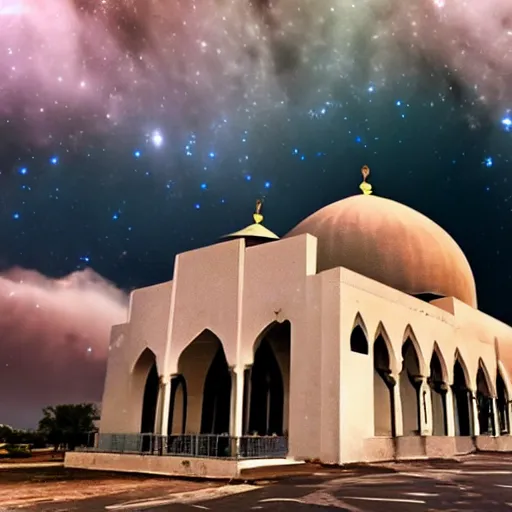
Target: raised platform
192, 467
377, 449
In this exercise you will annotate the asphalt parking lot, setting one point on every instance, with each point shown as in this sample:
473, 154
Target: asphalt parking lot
476, 483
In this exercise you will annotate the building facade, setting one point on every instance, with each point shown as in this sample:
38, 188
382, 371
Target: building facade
356, 337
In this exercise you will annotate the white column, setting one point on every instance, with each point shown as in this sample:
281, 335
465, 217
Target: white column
164, 418
450, 412
159, 402
474, 410
495, 417
397, 405
425, 404
247, 397
237, 402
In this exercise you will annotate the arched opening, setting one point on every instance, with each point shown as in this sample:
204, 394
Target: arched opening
502, 404
383, 383
144, 390
484, 403
269, 383
217, 397
201, 392
461, 400
358, 340
438, 395
149, 404
409, 389
178, 407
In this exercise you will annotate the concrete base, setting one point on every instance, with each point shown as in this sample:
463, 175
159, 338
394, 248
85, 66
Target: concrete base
380, 449
172, 466
376, 449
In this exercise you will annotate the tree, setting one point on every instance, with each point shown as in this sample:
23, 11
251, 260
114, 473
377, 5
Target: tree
68, 424
6, 432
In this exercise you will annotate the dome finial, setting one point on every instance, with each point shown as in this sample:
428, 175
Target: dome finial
365, 187
257, 216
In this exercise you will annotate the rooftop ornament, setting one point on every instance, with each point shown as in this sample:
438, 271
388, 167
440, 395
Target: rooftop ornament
255, 233
365, 187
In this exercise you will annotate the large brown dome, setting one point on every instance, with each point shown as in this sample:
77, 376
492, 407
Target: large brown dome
391, 243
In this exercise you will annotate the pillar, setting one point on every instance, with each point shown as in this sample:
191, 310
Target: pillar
449, 412
495, 417
473, 407
425, 405
159, 405
164, 407
237, 404
397, 408
247, 399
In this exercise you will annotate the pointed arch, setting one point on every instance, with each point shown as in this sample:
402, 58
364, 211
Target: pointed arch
177, 418
205, 395
267, 390
502, 400
458, 359
409, 379
485, 374
215, 415
359, 336
462, 405
506, 377
484, 401
436, 351
437, 380
145, 359
382, 333
383, 386
276, 324
410, 335
145, 384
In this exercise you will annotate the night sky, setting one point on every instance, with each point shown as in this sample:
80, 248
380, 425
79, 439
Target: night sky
133, 130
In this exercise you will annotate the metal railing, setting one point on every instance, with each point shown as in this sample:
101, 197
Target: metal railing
202, 445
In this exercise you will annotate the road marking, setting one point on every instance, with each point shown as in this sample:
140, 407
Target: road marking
23, 465
462, 472
186, 497
275, 500
504, 486
390, 500
486, 472
414, 475
200, 506
421, 494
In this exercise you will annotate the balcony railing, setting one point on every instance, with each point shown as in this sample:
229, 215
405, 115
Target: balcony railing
206, 446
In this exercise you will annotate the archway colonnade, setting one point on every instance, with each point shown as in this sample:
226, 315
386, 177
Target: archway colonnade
413, 399
201, 398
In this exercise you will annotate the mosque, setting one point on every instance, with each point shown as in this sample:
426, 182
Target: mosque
355, 337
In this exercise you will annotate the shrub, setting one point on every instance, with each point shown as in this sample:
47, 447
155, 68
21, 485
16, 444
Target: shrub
18, 451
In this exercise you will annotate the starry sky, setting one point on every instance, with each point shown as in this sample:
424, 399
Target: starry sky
132, 130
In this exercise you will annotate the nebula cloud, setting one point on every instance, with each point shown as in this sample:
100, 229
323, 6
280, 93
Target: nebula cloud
72, 64
54, 337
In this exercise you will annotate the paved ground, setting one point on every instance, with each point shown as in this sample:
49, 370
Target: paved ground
477, 483
58, 488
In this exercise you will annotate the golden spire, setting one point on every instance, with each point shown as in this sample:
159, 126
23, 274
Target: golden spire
255, 233
257, 216
365, 187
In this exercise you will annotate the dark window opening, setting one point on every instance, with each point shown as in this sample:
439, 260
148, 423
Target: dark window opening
358, 341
